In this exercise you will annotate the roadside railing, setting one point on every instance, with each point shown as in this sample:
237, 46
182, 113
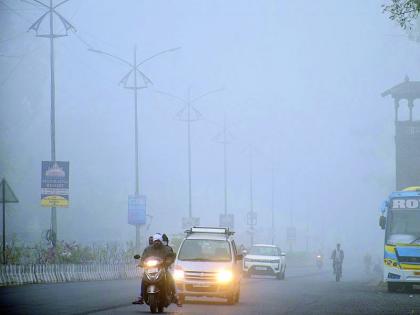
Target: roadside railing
50, 273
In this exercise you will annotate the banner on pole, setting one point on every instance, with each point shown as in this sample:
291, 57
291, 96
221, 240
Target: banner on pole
55, 184
136, 210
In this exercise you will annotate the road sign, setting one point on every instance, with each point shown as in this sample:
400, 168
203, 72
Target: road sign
6, 196
190, 222
251, 218
227, 220
136, 210
55, 184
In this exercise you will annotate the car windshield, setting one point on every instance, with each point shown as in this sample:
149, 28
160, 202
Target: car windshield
403, 226
264, 251
205, 250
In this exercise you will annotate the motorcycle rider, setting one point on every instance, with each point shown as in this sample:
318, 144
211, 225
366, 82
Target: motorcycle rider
158, 249
337, 257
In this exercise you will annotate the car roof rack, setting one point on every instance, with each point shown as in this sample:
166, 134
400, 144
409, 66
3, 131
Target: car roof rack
209, 230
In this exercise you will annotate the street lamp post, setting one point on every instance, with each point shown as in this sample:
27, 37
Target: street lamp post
273, 231
251, 195
50, 11
135, 86
192, 114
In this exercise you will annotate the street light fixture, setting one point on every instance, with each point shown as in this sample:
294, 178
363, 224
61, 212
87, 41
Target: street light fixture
135, 86
51, 12
192, 114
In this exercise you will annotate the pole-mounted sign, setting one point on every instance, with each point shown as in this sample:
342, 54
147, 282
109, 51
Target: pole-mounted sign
55, 184
7, 196
136, 210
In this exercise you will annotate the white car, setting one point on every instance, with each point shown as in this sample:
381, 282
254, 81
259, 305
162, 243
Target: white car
265, 259
208, 265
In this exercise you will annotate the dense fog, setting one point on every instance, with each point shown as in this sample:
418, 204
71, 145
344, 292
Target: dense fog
299, 83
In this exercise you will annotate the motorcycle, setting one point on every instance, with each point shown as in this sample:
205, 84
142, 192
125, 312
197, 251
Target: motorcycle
156, 291
319, 261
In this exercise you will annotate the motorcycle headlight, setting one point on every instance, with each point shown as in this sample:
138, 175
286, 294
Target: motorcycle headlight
178, 274
153, 276
224, 276
152, 263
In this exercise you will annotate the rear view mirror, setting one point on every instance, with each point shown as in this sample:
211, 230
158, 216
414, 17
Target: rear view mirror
137, 256
382, 222
239, 257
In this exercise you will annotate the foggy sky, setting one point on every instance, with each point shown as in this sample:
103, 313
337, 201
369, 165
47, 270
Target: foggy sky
302, 83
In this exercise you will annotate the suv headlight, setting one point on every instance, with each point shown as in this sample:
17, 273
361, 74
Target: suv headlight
225, 276
178, 274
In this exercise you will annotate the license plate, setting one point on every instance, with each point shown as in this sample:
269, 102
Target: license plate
152, 270
261, 268
201, 285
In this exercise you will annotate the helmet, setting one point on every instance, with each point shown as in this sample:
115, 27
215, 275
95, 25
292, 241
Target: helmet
157, 237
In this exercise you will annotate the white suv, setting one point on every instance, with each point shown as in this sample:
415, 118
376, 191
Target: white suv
208, 264
265, 260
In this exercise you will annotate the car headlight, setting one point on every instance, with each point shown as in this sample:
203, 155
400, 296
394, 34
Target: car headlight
178, 274
152, 263
225, 276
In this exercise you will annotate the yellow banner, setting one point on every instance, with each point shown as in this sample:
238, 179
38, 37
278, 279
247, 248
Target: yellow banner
54, 201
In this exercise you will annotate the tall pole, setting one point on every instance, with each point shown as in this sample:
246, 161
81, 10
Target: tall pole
136, 147
272, 206
53, 209
225, 164
189, 154
4, 219
251, 195
51, 11
188, 107
135, 71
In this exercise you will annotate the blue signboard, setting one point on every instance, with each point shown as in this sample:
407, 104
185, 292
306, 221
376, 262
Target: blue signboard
136, 210
55, 184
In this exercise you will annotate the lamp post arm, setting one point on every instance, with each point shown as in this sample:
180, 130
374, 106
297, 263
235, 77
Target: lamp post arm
41, 3
110, 55
158, 54
62, 2
173, 96
205, 94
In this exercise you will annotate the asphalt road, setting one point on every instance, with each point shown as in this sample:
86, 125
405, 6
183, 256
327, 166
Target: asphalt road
305, 291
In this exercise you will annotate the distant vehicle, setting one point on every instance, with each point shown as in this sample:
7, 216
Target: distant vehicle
319, 261
401, 221
265, 260
208, 264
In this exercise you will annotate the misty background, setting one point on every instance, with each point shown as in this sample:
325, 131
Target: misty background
301, 83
